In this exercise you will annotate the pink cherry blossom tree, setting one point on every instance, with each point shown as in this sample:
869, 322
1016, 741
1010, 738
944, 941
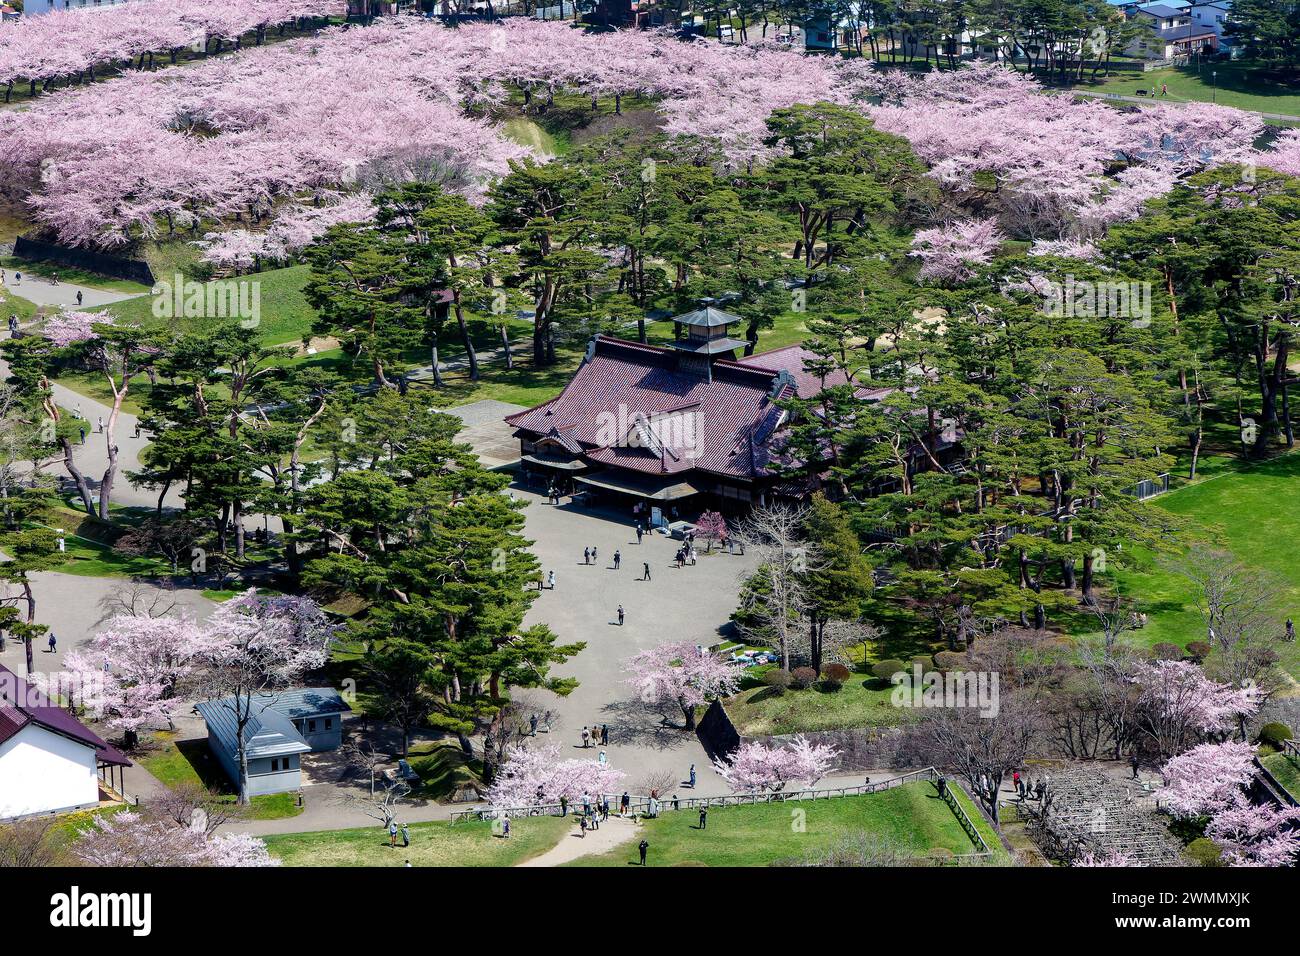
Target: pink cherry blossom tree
711, 527
1208, 778
529, 778
953, 253
131, 839
683, 674
1256, 834
1181, 706
132, 672
757, 767
254, 646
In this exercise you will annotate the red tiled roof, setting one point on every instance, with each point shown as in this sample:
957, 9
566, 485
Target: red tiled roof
21, 704
791, 359
720, 426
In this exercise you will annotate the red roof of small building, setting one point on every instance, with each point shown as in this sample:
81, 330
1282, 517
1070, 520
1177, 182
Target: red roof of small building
21, 704
629, 405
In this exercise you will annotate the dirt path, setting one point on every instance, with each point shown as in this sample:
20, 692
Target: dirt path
612, 832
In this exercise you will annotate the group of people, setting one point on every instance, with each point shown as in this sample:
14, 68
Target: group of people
590, 735
1031, 788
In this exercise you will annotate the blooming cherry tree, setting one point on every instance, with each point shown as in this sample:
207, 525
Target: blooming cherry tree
530, 777
1207, 778
683, 674
134, 839
756, 767
1256, 835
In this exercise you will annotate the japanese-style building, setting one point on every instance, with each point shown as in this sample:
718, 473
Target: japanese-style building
663, 424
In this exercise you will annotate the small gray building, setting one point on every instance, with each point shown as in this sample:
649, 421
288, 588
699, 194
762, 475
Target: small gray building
282, 728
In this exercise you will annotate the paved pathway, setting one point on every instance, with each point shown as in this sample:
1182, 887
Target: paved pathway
574, 846
41, 291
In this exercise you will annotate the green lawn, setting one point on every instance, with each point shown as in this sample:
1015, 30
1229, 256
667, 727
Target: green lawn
180, 762
1286, 770
862, 702
1241, 510
285, 316
912, 817
432, 844
1238, 85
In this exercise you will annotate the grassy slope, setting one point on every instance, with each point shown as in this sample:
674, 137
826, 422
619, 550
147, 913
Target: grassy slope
432, 844
912, 816
1237, 85
861, 702
1241, 510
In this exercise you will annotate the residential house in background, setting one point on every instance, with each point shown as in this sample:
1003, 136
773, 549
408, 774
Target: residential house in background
282, 727
1174, 33
49, 761
35, 8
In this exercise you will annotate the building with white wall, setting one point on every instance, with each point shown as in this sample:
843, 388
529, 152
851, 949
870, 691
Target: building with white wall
34, 8
49, 761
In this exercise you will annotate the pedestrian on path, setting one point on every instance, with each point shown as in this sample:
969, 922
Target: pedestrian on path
604, 807
78, 297
99, 425
620, 615
406, 835
54, 644
392, 833
137, 429
586, 555
82, 429
639, 532
582, 827
586, 738
643, 847
704, 818
594, 556
624, 802
505, 828
532, 726
604, 735
602, 759
692, 776
1134, 762
550, 580
564, 806
618, 558
645, 571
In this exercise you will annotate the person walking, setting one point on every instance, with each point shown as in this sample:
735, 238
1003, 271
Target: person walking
640, 532
604, 806
1134, 762
532, 726
704, 818
78, 297
624, 803
550, 580
586, 738
643, 847
677, 804
505, 828
564, 806
594, 556
618, 558
99, 425
692, 776
406, 835
620, 615
604, 735
586, 555
645, 571
54, 644
582, 827
392, 833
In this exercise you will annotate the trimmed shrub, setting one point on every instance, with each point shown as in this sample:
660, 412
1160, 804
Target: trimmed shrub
801, 678
834, 676
778, 680
949, 661
1205, 852
1165, 651
1199, 650
886, 669
1273, 734
924, 661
